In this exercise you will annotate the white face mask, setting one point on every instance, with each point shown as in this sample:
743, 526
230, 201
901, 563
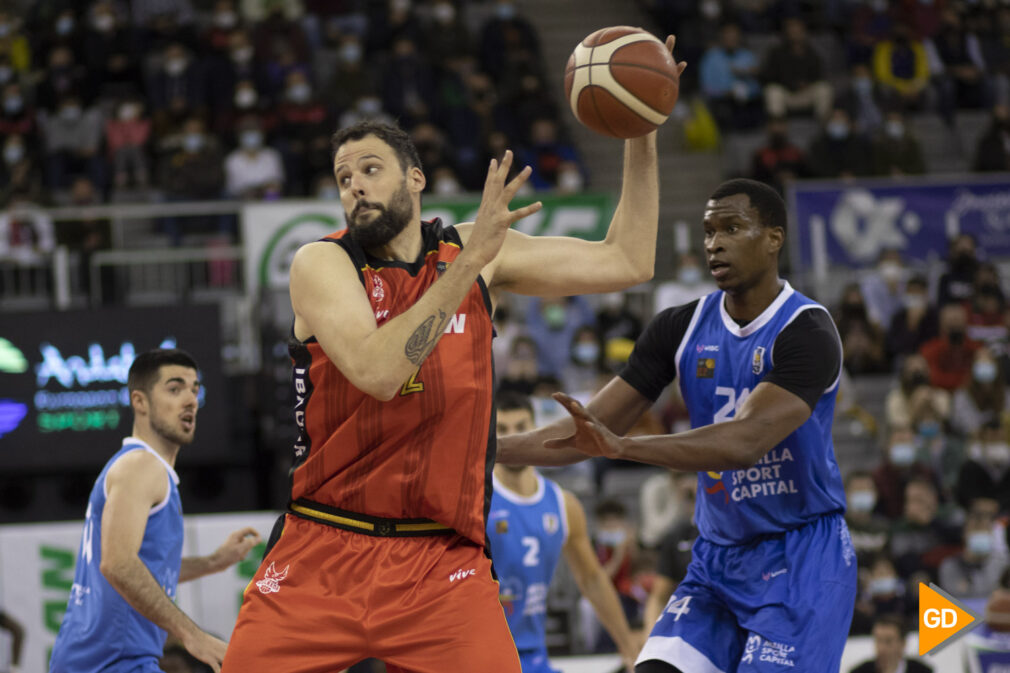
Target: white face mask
689, 275
226, 20
862, 501
242, 54
891, 272
13, 153
299, 93
979, 543
903, 454
328, 193
895, 129
915, 302
447, 186
245, 98
104, 22
64, 25
997, 454
251, 140
175, 66
570, 181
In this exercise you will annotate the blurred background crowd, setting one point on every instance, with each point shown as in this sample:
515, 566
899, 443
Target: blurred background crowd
180, 101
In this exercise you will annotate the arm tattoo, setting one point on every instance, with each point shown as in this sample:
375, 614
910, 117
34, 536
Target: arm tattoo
424, 338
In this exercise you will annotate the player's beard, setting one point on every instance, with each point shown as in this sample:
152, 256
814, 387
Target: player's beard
172, 433
385, 226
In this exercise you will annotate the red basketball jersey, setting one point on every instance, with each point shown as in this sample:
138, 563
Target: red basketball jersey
428, 452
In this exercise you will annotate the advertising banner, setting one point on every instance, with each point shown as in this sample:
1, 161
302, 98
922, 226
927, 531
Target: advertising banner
37, 573
273, 232
849, 224
63, 396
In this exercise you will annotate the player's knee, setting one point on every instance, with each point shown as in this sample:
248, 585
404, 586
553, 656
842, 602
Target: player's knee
656, 666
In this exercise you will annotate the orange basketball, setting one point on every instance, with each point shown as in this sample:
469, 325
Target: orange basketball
621, 82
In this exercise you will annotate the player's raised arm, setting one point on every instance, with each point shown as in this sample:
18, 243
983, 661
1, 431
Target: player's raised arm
330, 302
232, 550
135, 483
594, 583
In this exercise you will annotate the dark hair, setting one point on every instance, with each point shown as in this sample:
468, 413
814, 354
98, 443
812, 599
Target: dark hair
510, 400
918, 280
610, 507
391, 134
769, 205
857, 474
897, 621
144, 370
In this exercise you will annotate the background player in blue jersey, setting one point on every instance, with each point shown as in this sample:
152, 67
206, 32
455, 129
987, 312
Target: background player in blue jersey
532, 522
130, 560
772, 580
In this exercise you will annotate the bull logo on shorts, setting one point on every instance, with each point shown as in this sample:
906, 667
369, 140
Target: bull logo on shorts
753, 643
271, 582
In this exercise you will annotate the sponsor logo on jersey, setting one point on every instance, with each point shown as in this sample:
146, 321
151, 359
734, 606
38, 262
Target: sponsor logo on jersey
441, 266
774, 573
378, 290
551, 523
753, 643
462, 574
706, 368
758, 361
712, 348
457, 324
381, 315
271, 582
777, 653
765, 478
501, 526
718, 486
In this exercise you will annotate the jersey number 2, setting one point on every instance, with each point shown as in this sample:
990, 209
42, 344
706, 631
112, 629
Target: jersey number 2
412, 385
531, 558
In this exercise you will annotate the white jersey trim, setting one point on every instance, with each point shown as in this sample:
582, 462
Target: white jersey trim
760, 321
677, 652
687, 336
841, 351
173, 476
562, 507
516, 499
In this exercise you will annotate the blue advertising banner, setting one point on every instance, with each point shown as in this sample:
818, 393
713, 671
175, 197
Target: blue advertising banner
849, 224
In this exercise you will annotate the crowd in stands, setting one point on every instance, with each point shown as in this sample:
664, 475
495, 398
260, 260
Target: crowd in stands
859, 68
182, 100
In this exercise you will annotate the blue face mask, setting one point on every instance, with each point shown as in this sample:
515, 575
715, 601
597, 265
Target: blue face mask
689, 275
984, 371
554, 316
882, 586
586, 352
979, 543
929, 429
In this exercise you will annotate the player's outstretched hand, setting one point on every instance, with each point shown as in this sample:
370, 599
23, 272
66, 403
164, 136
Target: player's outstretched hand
671, 41
235, 547
494, 217
591, 437
206, 648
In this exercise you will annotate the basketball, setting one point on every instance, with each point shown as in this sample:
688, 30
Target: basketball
621, 82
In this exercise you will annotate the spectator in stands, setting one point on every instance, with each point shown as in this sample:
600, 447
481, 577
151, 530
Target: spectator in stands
521, 373
64, 77
546, 154
582, 372
16, 115
671, 566
86, 236
507, 40
195, 170
552, 322
914, 390
666, 502
73, 143
889, 633
780, 161
407, 83
903, 462
127, 136
982, 398
444, 35
862, 338
13, 43
445, 182
883, 288
985, 317
901, 67
278, 33
617, 551
915, 323
896, 151
993, 150
883, 592
794, 74
869, 530
615, 319
986, 472
951, 353
302, 134
924, 536
994, 35
957, 284
693, 281
728, 76
113, 69
528, 100
60, 28
26, 233
253, 171
19, 171
957, 67
862, 98
432, 148
352, 77
225, 21
178, 88
839, 151
976, 570
570, 179
226, 75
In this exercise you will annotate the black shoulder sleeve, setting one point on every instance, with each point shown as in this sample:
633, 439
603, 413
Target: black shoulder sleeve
652, 365
807, 356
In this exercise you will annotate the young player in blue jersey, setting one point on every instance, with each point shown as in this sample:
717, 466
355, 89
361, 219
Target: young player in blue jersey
531, 524
772, 580
130, 561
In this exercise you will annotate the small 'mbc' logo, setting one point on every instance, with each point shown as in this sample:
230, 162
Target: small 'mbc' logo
758, 363
706, 368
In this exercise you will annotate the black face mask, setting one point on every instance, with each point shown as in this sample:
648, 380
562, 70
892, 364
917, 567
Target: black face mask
915, 380
963, 261
778, 140
956, 337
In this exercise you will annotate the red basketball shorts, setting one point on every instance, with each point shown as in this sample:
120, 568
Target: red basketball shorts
325, 598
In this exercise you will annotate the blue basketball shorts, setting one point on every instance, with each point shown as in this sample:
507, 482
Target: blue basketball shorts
535, 661
782, 602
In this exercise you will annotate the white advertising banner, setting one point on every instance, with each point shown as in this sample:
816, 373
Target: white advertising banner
37, 570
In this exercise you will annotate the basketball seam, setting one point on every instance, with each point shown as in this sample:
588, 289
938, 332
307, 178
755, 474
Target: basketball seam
592, 96
645, 67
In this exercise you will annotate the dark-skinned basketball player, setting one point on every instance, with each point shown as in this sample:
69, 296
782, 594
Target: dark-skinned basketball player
772, 581
383, 547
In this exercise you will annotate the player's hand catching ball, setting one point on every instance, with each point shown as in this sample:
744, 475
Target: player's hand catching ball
494, 217
591, 436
